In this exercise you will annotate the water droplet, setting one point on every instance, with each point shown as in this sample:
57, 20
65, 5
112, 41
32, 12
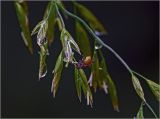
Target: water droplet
98, 46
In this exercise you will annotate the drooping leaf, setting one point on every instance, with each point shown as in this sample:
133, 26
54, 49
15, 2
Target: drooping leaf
82, 85
155, 88
42, 62
82, 40
23, 21
57, 74
113, 92
84, 81
42, 66
90, 18
78, 83
137, 87
96, 81
50, 12
24, 5
85, 87
140, 112
111, 85
102, 61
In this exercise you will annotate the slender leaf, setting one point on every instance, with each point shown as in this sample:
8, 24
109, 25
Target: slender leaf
111, 85
138, 88
84, 81
23, 21
42, 64
57, 74
78, 83
24, 5
102, 61
90, 18
155, 88
50, 12
82, 40
96, 82
140, 112
85, 87
113, 92
82, 85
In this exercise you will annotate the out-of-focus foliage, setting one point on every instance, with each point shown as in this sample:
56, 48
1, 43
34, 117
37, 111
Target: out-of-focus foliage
57, 74
155, 88
22, 11
50, 14
82, 40
140, 112
92, 20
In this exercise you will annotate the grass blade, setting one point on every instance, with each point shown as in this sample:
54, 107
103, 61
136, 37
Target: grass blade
23, 21
90, 18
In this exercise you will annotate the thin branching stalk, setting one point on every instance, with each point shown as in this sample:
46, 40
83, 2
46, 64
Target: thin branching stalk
150, 108
63, 25
140, 75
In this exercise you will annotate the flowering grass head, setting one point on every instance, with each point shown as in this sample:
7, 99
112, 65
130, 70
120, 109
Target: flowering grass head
93, 61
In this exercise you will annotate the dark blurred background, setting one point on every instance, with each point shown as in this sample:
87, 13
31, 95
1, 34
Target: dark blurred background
133, 29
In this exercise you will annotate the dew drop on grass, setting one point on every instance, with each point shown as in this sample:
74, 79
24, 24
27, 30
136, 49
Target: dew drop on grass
98, 46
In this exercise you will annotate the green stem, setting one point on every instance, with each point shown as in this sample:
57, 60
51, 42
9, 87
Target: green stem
95, 37
63, 25
140, 75
150, 108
